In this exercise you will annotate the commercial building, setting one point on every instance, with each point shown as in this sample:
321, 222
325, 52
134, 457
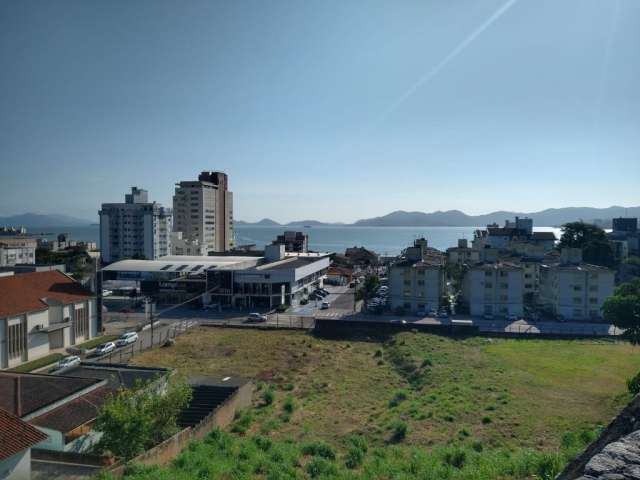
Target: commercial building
628, 225
203, 214
263, 279
494, 289
16, 250
16, 439
416, 278
64, 242
135, 228
293, 241
574, 290
41, 312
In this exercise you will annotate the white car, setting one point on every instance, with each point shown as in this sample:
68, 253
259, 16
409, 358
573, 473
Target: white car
257, 317
325, 305
70, 361
105, 348
126, 339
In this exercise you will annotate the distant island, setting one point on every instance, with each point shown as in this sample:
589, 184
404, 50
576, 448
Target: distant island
455, 218
450, 218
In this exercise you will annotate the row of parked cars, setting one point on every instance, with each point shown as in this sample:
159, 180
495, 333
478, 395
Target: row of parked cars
102, 349
319, 294
381, 299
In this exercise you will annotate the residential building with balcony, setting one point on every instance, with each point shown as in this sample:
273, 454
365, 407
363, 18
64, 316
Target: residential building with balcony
575, 290
41, 312
494, 289
136, 228
416, 278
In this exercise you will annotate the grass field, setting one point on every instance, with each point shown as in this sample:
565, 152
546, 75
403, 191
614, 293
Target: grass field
414, 390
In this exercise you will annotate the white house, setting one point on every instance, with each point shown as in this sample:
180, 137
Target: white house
41, 312
16, 439
494, 289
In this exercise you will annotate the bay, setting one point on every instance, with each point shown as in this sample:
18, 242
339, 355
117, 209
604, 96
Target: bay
382, 240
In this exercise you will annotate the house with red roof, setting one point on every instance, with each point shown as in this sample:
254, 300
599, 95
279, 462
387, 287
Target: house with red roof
41, 312
16, 439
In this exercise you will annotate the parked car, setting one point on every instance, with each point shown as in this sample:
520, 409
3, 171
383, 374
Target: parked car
321, 292
126, 339
488, 316
105, 348
326, 292
315, 296
325, 305
256, 317
70, 361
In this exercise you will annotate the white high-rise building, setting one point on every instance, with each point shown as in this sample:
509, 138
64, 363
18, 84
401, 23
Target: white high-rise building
136, 228
203, 215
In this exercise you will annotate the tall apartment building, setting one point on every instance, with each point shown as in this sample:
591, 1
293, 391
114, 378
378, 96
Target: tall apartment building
416, 280
203, 214
573, 289
135, 228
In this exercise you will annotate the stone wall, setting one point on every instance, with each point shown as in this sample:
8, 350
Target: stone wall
627, 422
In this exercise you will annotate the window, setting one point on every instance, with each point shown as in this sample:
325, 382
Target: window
421, 283
504, 286
528, 285
81, 326
17, 340
504, 298
488, 285
577, 288
487, 273
577, 299
593, 300
593, 288
407, 283
407, 305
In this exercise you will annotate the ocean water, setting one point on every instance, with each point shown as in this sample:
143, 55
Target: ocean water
383, 240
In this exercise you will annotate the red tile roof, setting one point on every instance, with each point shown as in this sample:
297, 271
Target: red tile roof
75, 413
16, 435
25, 393
25, 292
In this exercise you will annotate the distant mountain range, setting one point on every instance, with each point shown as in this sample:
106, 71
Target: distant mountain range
454, 218
36, 220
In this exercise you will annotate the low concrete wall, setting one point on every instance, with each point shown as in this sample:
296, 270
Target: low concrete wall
166, 451
338, 327
627, 421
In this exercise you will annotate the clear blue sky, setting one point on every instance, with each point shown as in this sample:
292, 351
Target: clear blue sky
316, 109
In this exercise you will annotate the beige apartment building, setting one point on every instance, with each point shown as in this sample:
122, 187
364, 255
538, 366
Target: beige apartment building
203, 215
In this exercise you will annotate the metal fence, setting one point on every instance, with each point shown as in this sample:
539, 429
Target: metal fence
274, 320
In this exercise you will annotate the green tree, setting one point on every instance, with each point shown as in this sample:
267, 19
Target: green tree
623, 310
134, 420
591, 239
369, 288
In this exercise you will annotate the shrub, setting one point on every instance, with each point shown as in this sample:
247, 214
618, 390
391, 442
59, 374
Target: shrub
318, 467
378, 353
633, 384
455, 458
268, 396
427, 362
486, 420
287, 387
242, 424
400, 430
289, 404
319, 449
399, 397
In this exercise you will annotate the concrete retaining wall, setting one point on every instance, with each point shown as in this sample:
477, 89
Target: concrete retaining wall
166, 451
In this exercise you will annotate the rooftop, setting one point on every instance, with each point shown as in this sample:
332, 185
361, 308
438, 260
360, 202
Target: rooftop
16, 435
117, 375
22, 394
29, 291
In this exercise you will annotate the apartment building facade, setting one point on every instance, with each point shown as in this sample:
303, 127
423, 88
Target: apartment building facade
17, 250
494, 289
575, 291
40, 312
135, 228
417, 280
203, 214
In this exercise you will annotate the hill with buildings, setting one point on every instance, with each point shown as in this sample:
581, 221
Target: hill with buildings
37, 220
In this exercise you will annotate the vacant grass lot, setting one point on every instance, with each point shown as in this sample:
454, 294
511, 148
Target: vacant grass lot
414, 389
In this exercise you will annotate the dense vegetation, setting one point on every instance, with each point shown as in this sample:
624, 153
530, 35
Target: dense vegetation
623, 309
406, 405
